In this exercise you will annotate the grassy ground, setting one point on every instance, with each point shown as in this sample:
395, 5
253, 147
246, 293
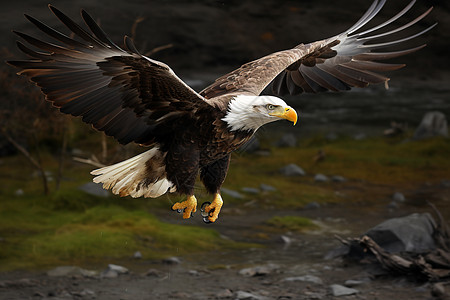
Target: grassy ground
71, 227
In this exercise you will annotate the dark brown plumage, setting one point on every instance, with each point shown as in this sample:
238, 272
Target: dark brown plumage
134, 98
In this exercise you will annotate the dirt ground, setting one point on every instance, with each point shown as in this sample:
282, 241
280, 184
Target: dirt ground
275, 271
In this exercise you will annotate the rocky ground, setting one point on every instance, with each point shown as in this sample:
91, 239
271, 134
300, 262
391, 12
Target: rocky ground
287, 266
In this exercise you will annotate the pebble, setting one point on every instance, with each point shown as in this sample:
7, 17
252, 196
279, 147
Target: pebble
137, 255
305, 278
338, 290
285, 239
241, 295
259, 270
292, 170
338, 178
70, 271
232, 193
172, 260
250, 190
226, 293
118, 269
267, 188
398, 197
352, 283
153, 273
19, 193
312, 205
320, 178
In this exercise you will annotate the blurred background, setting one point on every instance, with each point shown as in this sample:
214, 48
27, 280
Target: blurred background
362, 142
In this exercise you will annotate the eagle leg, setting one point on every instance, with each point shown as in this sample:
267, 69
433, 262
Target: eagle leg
212, 209
189, 206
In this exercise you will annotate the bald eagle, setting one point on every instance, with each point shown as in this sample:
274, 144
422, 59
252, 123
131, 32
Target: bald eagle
134, 98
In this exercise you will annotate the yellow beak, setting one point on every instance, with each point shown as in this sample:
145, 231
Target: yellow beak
288, 113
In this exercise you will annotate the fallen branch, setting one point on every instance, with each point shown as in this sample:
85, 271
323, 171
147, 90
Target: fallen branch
89, 162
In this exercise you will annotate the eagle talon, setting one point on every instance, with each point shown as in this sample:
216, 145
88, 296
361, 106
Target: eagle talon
188, 207
204, 213
206, 220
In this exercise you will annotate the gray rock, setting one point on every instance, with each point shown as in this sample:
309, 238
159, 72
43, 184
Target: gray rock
113, 271
337, 178
292, 170
232, 193
338, 290
153, 273
241, 295
413, 233
259, 270
137, 255
398, 197
320, 178
438, 290
352, 283
267, 188
19, 193
285, 239
70, 271
250, 190
305, 278
287, 140
434, 123
172, 260
95, 189
226, 293
118, 269
312, 205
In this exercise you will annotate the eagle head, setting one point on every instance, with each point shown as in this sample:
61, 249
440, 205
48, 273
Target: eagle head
251, 112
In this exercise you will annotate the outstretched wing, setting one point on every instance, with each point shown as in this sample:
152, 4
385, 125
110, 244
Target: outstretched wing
121, 92
336, 64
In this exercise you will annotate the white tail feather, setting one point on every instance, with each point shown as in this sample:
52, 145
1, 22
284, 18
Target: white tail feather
129, 177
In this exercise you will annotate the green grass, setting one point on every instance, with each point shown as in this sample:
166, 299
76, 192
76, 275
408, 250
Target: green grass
71, 227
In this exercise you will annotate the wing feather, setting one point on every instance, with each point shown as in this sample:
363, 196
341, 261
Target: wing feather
121, 92
339, 63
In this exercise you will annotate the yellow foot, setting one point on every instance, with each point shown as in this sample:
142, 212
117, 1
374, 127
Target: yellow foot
188, 207
210, 211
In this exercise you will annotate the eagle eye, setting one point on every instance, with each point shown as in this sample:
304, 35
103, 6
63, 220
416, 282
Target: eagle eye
271, 106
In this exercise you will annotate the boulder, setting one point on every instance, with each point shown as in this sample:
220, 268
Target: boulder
434, 123
413, 233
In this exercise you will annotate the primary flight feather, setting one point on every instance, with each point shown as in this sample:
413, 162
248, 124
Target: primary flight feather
134, 98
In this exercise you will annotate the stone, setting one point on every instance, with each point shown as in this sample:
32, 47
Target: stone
70, 271
232, 193
259, 270
338, 290
250, 190
118, 269
285, 239
137, 255
95, 189
19, 193
398, 197
153, 273
305, 278
413, 233
438, 290
312, 205
434, 123
108, 273
320, 178
287, 140
292, 170
241, 295
172, 260
267, 188
223, 294
352, 283
338, 178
